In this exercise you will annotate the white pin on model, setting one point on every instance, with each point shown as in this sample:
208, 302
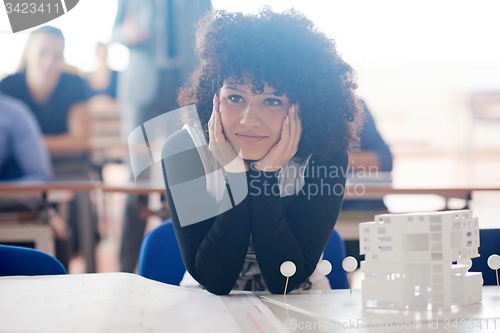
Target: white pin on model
465, 261
287, 269
324, 267
494, 263
349, 264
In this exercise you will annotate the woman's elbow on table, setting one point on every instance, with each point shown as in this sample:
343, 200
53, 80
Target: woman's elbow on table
219, 290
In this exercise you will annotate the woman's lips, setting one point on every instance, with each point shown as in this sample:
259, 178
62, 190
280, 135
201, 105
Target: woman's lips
250, 138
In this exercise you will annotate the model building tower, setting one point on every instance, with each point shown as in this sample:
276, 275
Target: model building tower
409, 260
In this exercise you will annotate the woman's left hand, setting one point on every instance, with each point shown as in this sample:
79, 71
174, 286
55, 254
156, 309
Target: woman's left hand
287, 146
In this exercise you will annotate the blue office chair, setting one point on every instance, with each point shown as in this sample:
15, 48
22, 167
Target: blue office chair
17, 260
488, 245
335, 252
160, 258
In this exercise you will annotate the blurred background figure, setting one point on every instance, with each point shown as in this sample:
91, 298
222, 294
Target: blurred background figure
58, 100
371, 164
23, 156
105, 111
160, 37
102, 81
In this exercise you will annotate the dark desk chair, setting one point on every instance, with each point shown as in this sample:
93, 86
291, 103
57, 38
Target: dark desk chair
335, 253
160, 258
16, 260
489, 243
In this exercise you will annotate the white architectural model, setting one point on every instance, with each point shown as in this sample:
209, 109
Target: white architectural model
408, 261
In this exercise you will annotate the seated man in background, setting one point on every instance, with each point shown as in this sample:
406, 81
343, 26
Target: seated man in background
23, 157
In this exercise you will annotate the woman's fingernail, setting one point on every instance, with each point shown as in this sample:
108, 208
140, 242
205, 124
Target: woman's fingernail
213, 102
293, 109
287, 120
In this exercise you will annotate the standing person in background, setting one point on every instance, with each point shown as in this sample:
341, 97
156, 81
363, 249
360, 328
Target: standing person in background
58, 100
160, 37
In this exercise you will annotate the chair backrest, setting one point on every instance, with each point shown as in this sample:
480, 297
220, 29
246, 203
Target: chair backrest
17, 260
488, 244
160, 258
335, 253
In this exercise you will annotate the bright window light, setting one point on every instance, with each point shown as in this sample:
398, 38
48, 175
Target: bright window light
367, 32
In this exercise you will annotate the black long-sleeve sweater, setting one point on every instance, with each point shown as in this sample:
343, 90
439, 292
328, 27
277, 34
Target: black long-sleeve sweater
294, 227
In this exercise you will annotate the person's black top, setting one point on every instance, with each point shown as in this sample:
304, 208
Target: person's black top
371, 140
295, 227
53, 115
110, 90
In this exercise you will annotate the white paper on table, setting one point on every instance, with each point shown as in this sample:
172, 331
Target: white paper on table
340, 306
123, 302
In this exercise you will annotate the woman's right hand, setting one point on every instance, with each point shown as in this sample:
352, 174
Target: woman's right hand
218, 145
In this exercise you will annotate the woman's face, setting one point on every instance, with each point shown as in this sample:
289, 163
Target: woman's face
45, 55
252, 122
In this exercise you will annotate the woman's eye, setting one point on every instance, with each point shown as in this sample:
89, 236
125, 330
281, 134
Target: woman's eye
235, 98
273, 102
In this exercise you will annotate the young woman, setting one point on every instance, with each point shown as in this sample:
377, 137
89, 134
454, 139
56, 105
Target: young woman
57, 99
276, 104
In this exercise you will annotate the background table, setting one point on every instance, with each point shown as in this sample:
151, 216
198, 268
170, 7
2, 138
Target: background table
348, 221
86, 228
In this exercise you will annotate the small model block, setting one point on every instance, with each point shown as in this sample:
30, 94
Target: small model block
409, 261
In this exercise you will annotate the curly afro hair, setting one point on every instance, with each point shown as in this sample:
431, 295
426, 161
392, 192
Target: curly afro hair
288, 53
